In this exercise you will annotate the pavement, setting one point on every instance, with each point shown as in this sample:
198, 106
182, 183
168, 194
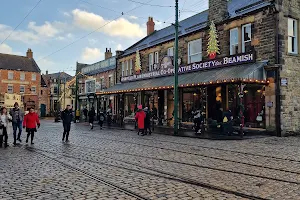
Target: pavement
119, 164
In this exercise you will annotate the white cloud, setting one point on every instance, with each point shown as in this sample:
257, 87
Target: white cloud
119, 47
120, 27
91, 55
66, 14
133, 17
48, 29
18, 35
4, 48
92, 41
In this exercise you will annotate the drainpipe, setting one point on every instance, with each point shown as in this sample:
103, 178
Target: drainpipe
277, 75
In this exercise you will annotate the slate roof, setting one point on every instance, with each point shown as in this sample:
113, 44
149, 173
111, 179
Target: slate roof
61, 75
194, 23
18, 63
253, 71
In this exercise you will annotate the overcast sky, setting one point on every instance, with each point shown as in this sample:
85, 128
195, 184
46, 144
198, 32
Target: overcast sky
53, 24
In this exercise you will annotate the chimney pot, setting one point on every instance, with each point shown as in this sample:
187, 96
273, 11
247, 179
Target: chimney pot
150, 26
107, 54
29, 53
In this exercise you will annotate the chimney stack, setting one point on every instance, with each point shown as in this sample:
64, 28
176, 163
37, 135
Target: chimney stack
218, 10
29, 54
108, 53
150, 26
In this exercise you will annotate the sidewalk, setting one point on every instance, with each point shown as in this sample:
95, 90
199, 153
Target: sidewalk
248, 133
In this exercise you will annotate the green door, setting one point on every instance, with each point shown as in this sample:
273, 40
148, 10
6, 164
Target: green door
43, 110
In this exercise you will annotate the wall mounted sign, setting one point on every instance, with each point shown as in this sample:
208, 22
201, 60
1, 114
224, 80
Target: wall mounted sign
284, 82
166, 66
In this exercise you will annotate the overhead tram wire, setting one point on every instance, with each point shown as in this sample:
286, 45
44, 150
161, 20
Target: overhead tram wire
22, 21
147, 4
91, 32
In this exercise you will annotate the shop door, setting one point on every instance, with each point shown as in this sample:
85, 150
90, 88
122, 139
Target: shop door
43, 110
161, 103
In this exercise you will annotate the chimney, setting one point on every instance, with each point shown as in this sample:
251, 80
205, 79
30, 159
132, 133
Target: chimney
118, 53
29, 53
108, 53
150, 26
218, 10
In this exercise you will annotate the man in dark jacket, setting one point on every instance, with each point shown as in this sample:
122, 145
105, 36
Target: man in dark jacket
17, 119
92, 115
147, 121
67, 118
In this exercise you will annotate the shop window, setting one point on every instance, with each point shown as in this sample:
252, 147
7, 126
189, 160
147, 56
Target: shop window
171, 51
10, 89
292, 36
22, 76
151, 61
130, 66
195, 51
234, 41
10, 75
246, 38
193, 99
123, 68
22, 89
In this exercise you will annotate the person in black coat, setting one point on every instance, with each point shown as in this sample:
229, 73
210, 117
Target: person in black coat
147, 121
101, 118
67, 118
92, 115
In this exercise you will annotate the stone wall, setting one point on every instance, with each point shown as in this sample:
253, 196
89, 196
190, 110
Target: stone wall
290, 95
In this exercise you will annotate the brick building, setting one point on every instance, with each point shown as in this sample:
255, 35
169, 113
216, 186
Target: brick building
251, 66
93, 79
20, 75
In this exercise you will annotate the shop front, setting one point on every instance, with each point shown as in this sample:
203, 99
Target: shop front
235, 83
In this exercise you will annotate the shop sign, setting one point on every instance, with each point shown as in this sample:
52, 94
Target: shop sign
284, 82
166, 67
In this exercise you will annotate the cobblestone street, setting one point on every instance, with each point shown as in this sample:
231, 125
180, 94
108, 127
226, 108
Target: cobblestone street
119, 164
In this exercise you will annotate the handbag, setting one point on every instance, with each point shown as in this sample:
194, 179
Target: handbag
259, 118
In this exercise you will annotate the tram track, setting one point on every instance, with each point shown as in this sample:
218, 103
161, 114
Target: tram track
158, 173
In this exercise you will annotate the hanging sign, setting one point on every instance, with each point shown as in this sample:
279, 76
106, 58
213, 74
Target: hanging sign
166, 67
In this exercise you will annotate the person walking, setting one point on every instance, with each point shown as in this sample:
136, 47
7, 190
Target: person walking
17, 118
85, 113
92, 115
67, 117
4, 122
101, 118
147, 121
31, 121
140, 118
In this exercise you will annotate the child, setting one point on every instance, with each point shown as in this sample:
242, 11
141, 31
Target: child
4, 120
30, 122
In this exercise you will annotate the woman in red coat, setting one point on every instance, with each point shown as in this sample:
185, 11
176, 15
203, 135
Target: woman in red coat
140, 118
31, 120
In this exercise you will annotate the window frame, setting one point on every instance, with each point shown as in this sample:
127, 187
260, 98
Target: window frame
123, 69
127, 67
243, 36
190, 55
22, 86
231, 41
12, 89
169, 50
33, 77
110, 80
295, 36
12, 75
130, 66
150, 61
156, 57
33, 92
22, 76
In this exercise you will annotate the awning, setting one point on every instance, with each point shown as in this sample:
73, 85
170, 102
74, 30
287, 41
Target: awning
253, 72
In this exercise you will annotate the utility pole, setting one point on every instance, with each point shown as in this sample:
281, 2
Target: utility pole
65, 92
76, 94
176, 94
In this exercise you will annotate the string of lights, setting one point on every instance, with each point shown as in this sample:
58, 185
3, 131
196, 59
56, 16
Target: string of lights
95, 30
22, 21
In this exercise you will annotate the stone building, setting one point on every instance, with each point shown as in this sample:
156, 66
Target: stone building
20, 77
249, 68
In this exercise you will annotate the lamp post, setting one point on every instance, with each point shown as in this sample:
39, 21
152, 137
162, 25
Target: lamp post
176, 71
153, 93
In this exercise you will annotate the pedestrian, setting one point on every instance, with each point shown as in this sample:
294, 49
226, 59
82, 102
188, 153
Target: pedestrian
17, 118
109, 116
147, 121
4, 122
92, 115
67, 118
85, 113
101, 118
140, 118
31, 121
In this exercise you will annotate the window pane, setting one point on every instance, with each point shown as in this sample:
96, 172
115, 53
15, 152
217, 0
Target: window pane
247, 33
195, 47
196, 58
234, 36
291, 27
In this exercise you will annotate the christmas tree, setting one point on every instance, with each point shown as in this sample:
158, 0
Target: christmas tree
213, 46
137, 62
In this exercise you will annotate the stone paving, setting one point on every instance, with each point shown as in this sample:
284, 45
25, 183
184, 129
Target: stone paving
119, 164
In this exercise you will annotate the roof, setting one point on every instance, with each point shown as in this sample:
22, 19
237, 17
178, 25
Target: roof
58, 75
98, 67
43, 82
253, 71
194, 23
18, 63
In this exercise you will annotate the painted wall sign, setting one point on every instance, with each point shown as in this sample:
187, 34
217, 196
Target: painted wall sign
197, 66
